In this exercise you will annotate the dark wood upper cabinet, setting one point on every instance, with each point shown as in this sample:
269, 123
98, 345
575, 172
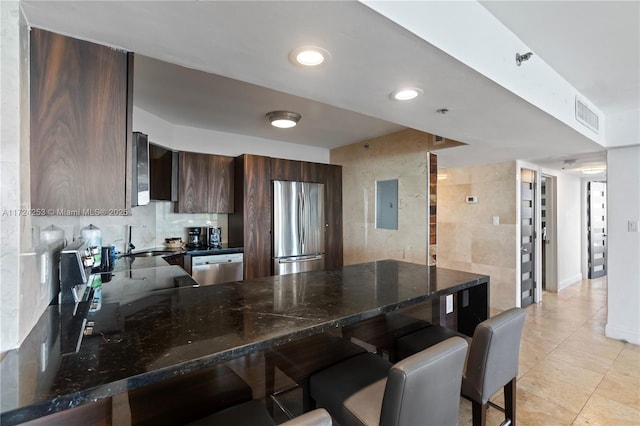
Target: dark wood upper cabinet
282, 169
205, 183
193, 183
221, 180
163, 173
81, 105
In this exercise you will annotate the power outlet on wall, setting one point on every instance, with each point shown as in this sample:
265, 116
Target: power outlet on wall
449, 300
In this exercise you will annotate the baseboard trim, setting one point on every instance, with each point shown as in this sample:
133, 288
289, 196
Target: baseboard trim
569, 281
618, 333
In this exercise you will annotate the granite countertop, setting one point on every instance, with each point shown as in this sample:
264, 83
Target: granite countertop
155, 323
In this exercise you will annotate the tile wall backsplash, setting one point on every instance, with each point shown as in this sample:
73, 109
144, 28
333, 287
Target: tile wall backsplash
151, 224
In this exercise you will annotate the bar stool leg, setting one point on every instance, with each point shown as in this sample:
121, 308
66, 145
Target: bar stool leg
479, 413
269, 383
510, 401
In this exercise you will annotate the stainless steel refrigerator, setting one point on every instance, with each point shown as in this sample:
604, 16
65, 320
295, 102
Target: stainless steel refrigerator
298, 227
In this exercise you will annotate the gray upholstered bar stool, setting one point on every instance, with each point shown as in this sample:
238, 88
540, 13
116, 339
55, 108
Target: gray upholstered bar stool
382, 331
300, 359
492, 363
254, 414
187, 398
423, 389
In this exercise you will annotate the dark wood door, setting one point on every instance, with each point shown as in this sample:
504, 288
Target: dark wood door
333, 216
80, 117
527, 243
250, 224
597, 228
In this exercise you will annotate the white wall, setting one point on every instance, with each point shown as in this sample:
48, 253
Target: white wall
569, 230
209, 141
623, 203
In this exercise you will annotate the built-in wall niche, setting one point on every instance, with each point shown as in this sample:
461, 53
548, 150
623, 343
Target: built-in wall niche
387, 204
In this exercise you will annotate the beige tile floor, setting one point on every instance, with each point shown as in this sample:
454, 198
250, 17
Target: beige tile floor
570, 373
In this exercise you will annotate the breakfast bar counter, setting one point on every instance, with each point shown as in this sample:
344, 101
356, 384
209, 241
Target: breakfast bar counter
149, 325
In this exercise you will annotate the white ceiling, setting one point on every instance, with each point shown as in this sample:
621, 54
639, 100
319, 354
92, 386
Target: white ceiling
593, 45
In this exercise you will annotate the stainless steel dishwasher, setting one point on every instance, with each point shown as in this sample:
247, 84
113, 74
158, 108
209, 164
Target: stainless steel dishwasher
217, 268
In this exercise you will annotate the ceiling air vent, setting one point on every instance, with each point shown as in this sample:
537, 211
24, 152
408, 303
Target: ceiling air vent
586, 116
438, 140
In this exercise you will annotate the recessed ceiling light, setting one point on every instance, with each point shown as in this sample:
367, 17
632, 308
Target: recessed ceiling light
283, 119
309, 56
406, 93
592, 170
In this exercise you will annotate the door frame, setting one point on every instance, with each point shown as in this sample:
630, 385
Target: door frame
520, 165
551, 258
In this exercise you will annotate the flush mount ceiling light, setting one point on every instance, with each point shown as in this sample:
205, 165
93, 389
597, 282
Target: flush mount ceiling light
283, 119
406, 94
309, 56
592, 170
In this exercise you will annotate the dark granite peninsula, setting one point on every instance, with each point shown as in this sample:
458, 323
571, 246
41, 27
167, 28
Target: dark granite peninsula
149, 325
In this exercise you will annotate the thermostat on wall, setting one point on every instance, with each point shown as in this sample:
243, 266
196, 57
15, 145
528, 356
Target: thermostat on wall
471, 199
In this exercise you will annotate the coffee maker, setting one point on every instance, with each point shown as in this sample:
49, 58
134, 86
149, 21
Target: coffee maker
194, 238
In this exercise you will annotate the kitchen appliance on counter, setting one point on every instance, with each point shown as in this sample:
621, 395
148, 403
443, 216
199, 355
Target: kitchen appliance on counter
76, 262
214, 236
194, 237
298, 227
217, 268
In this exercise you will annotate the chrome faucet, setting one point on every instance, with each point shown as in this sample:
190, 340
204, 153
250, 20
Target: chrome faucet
128, 246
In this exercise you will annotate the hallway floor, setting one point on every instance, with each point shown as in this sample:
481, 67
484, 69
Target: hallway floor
570, 374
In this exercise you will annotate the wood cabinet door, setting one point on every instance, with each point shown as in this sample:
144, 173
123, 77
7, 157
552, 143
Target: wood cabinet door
220, 184
193, 179
333, 216
257, 216
314, 172
282, 169
80, 112
163, 179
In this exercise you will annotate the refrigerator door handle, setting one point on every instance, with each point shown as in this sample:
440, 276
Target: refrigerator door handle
299, 222
303, 221
300, 259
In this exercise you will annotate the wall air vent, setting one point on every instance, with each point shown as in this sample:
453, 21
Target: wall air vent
438, 140
586, 116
